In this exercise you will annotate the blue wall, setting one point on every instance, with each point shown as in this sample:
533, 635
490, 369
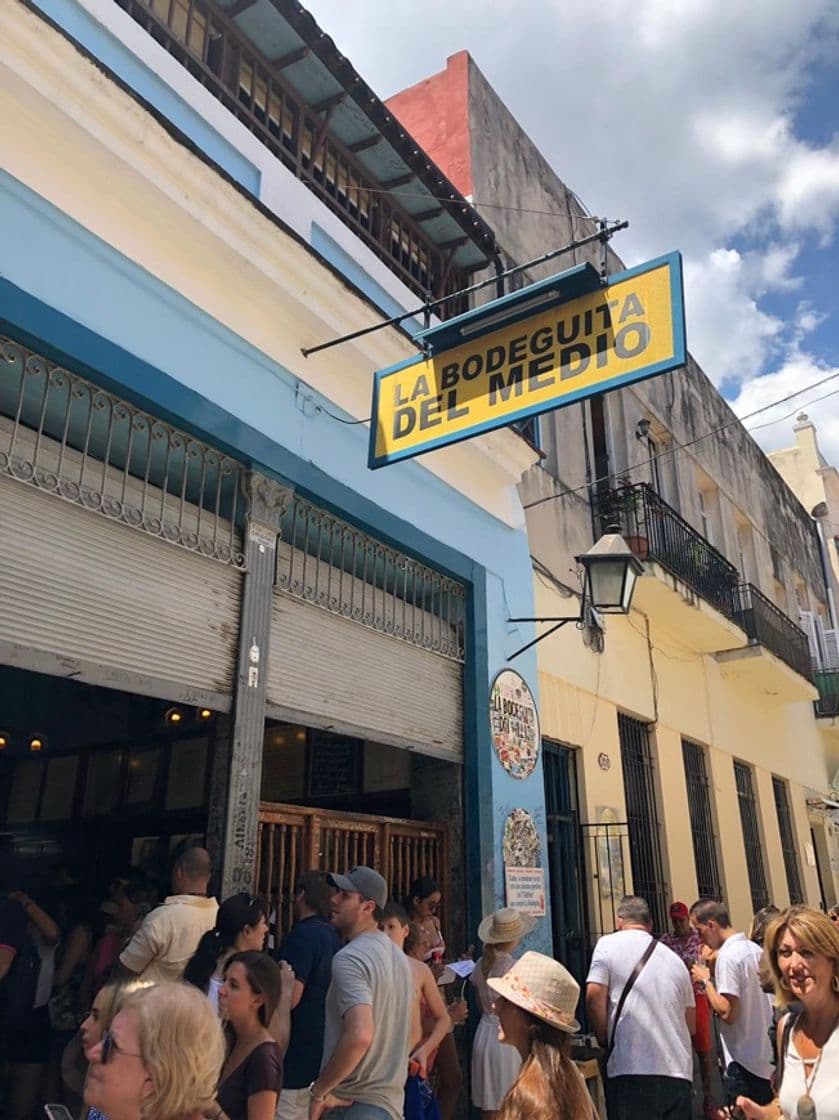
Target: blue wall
73, 296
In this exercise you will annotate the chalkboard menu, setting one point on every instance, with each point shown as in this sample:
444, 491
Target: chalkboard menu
333, 765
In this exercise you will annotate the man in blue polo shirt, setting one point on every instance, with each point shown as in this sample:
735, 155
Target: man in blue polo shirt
309, 948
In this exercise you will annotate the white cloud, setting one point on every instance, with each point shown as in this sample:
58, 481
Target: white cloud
773, 428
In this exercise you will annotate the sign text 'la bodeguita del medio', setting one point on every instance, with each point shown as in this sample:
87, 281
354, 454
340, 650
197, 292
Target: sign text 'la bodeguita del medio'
626, 330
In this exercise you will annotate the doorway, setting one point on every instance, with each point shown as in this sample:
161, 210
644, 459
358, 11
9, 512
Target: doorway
570, 935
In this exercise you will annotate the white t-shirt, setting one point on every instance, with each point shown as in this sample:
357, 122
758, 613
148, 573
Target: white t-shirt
746, 1040
652, 1037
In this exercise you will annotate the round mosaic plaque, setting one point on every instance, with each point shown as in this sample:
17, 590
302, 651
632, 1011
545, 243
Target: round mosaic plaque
521, 840
515, 724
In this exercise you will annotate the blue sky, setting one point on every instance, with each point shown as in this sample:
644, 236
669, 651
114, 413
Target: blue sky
712, 125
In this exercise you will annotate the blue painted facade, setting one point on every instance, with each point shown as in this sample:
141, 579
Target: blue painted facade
107, 318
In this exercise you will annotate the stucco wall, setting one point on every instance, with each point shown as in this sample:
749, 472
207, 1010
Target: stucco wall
168, 283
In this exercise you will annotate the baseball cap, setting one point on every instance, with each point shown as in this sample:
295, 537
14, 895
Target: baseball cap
367, 882
679, 910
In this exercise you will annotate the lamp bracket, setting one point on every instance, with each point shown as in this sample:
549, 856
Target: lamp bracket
558, 624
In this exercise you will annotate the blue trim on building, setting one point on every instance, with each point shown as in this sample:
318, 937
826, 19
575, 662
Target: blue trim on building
80, 26
47, 331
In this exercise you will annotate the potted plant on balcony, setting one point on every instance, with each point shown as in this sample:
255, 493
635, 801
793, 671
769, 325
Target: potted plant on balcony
626, 507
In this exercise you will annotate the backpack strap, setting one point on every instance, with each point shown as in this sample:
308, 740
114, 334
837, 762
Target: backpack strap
630, 984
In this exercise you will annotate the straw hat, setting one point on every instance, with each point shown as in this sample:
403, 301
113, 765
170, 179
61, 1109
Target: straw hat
505, 925
543, 987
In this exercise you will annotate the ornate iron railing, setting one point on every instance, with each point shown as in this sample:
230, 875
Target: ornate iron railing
326, 561
771, 628
827, 682
65, 435
209, 45
654, 530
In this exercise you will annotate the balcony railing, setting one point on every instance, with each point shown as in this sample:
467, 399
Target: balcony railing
771, 628
209, 45
827, 682
655, 531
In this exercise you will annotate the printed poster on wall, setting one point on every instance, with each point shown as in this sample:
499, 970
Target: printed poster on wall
526, 890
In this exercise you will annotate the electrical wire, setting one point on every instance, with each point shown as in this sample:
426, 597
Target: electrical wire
340, 419
678, 447
465, 204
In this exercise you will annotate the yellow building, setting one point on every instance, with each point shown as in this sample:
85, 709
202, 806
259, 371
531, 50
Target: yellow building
682, 751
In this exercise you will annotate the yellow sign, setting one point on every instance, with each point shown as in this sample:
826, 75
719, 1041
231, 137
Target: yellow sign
630, 329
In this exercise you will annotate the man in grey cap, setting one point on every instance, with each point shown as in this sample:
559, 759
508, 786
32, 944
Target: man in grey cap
368, 1009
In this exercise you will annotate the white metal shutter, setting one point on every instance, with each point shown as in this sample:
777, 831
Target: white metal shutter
84, 596
808, 623
330, 672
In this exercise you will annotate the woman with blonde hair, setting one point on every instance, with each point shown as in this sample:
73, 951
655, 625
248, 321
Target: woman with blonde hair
160, 1059
535, 1003
802, 949
106, 1003
494, 1067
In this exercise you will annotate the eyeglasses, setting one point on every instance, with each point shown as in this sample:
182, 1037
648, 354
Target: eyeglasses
110, 1046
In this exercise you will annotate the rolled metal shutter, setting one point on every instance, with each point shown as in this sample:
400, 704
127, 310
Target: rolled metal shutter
82, 595
334, 673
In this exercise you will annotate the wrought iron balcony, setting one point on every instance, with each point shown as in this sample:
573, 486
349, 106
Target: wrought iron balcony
655, 531
827, 682
771, 628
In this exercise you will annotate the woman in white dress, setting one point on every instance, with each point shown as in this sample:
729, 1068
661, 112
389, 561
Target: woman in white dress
494, 1066
802, 948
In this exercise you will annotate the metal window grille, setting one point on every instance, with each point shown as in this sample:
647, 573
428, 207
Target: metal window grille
642, 815
565, 857
324, 560
779, 788
65, 435
751, 835
701, 820
606, 848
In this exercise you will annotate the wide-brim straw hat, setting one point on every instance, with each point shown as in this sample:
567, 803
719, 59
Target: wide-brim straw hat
505, 925
543, 987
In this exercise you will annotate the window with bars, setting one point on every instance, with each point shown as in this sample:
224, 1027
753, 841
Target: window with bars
701, 820
751, 835
779, 788
642, 816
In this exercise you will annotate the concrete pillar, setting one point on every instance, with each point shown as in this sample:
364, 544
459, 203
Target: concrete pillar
677, 844
735, 874
268, 501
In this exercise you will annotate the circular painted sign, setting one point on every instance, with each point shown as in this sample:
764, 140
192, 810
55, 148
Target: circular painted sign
515, 724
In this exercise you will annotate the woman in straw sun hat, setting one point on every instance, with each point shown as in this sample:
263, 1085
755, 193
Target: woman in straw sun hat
535, 1003
494, 1067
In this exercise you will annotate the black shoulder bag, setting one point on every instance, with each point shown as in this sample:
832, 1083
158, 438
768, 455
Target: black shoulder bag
630, 984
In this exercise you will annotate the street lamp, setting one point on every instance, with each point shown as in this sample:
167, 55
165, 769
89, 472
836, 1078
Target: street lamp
610, 570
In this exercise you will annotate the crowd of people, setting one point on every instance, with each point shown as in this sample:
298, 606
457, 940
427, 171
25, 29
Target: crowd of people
178, 1011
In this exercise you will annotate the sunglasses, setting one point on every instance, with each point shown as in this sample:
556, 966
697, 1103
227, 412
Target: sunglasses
110, 1046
